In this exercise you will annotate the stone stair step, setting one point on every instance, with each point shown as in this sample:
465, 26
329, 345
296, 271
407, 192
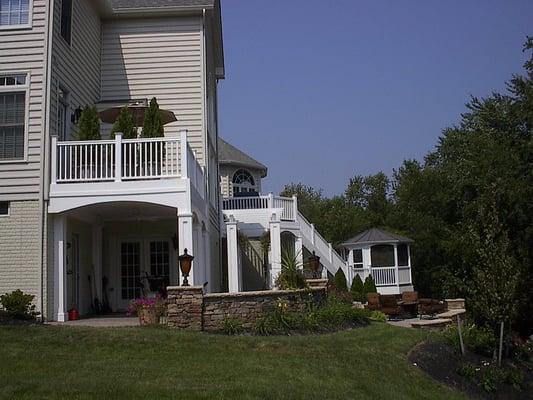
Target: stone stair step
431, 323
452, 313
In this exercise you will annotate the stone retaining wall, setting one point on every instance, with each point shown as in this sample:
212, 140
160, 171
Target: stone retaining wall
188, 308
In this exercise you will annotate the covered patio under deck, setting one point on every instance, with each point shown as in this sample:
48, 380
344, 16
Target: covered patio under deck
106, 254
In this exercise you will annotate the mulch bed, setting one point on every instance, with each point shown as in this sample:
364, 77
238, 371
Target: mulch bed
7, 319
441, 362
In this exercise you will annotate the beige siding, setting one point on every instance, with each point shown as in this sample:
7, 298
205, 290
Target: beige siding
20, 250
75, 67
23, 50
161, 57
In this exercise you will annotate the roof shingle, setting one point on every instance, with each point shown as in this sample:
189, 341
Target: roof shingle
229, 154
376, 236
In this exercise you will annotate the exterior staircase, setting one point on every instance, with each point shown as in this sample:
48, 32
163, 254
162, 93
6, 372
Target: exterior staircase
313, 241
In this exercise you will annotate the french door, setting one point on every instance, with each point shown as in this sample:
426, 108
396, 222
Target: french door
138, 261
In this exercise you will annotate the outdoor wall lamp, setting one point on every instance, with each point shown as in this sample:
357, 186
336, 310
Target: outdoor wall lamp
75, 117
185, 261
314, 263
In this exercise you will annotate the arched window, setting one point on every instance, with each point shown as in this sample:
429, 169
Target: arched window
243, 181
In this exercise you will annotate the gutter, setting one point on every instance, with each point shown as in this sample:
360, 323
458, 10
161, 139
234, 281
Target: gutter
45, 151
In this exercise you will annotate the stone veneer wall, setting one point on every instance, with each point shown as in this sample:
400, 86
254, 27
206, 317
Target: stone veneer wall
188, 308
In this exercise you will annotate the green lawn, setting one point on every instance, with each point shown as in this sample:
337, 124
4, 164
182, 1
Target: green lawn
156, 363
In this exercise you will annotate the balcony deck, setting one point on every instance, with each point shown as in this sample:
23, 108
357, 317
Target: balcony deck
151, 170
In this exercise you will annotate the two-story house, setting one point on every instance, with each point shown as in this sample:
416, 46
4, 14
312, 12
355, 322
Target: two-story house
83, 221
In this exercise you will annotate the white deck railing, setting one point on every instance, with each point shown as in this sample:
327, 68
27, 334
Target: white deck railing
404, 275
125, 160
384, 276
288, 205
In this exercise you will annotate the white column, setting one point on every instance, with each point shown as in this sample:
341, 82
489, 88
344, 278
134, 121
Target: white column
234, 267
183, 154
118, 157
295, 207
299, 250
275, 249
60, 263
313, 234
97, 260
396, 272
185, 241
206, 240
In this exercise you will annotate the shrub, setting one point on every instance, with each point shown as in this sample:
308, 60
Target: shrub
369, 286
467, 370
153, 124
232, 326
18, 304
378, 316
291, 276
491, 378
514, 377
339, 281
89, 124
125, 124
357, 289
478, 339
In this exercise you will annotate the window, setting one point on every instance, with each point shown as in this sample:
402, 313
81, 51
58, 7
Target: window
66, 20
357, 258
13, 94
382, 255
243, 182
403, 255
4, 208
14, 13
62, 112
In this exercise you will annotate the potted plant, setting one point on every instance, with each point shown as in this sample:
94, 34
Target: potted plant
147, 309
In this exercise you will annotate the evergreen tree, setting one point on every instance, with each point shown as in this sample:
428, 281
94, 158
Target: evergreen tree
369, 286
153, 124
357, 289
89, 124
340, 281
125, 124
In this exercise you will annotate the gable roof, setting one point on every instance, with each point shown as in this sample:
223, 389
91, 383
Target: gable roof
229, 154
377, 236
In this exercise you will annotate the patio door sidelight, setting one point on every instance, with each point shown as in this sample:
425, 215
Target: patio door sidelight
160, 260
130, 269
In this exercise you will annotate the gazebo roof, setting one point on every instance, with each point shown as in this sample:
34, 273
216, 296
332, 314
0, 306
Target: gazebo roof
376, 236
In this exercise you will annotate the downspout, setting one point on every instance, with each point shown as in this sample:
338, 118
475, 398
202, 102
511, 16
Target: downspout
45, 150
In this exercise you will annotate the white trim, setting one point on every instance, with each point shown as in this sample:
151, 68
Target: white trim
28, 25
14, 89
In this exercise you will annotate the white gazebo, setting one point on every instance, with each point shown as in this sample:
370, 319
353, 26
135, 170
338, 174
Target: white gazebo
384, 255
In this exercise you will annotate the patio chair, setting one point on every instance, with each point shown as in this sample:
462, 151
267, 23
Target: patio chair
389, 305
373, 301
430, 307
409, 303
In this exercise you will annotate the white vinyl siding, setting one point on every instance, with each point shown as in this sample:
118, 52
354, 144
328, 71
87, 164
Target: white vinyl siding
75, 67
24, 51
162, 58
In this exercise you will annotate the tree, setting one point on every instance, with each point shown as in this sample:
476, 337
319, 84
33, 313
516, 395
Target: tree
89, 124
125, 123
153, 123
357, 289
340, 281
369, 286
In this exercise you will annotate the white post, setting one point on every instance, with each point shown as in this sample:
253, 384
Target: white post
295, 207
270, 200
184, 154
185, 241
275, 249
299, 250
396, 271
313, 234
409, 263
234, 267
118, 157
53, 159
206, 246
97, 261
330, 253
60, 273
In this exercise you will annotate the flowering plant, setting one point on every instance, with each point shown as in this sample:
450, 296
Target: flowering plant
155, 304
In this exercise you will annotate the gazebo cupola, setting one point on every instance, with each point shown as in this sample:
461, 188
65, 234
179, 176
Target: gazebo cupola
384, 255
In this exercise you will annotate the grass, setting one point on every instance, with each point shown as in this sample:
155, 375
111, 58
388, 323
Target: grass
53, 362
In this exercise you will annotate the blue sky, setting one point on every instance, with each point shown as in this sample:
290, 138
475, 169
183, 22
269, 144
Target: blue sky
322, 90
